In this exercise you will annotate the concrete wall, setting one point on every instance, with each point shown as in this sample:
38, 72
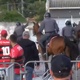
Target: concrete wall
65, 13
8, 26
11, 26
64, 3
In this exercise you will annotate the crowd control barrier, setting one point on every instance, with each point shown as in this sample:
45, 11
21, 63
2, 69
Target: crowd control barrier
7, 73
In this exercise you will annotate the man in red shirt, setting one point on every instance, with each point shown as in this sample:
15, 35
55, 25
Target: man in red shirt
4, 48
16, 55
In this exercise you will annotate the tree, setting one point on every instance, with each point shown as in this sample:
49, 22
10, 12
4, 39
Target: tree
32, 8
11, 16
36, 10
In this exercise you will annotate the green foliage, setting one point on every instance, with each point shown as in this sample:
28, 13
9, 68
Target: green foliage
11, 16
32, 8
32, 1
36, 10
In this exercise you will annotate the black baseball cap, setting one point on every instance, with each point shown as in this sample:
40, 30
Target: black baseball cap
61, 66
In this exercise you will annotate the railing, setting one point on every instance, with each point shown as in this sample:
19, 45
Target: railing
9, 71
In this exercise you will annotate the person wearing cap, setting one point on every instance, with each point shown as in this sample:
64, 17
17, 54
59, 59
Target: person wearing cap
4, 49
68, 30
61, 67
16, 55
30, 53
50, 26
19, 30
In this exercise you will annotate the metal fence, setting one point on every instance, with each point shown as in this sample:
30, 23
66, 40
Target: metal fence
75, 75
8, 72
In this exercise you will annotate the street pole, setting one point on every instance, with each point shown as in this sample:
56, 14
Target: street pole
22, 7
72, 20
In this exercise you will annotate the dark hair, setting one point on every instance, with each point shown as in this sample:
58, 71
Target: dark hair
13, 38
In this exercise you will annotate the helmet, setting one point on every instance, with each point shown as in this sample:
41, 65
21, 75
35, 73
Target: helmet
68, 22
47, 14
18, 24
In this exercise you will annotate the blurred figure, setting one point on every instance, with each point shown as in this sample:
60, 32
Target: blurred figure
30, 53
19, 30
77, 31
61, 67
77, 34
16, 55
4, 47
50, 26
68, 31
4, 50
74, 24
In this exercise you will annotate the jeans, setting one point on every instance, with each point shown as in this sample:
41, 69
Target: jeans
16, 77
29, 73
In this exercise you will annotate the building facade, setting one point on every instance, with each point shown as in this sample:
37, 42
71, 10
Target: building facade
64, 9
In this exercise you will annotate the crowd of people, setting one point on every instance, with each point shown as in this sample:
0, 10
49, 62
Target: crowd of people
19, 48
19, 51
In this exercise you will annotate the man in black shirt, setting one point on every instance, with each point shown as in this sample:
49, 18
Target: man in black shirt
30, 53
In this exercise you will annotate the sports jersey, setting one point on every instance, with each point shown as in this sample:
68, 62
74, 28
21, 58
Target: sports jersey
17, 54
4, 51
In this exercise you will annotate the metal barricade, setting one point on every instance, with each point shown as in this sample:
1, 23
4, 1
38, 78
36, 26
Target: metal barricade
3, 70
2, 77
75, 75
76, 71
8, 72
44, 76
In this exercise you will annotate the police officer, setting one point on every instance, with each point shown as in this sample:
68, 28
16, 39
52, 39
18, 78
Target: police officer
19, 30
77, 30
50, 26
68, 30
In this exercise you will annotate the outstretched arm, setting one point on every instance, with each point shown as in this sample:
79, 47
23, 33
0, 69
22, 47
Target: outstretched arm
26, 25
